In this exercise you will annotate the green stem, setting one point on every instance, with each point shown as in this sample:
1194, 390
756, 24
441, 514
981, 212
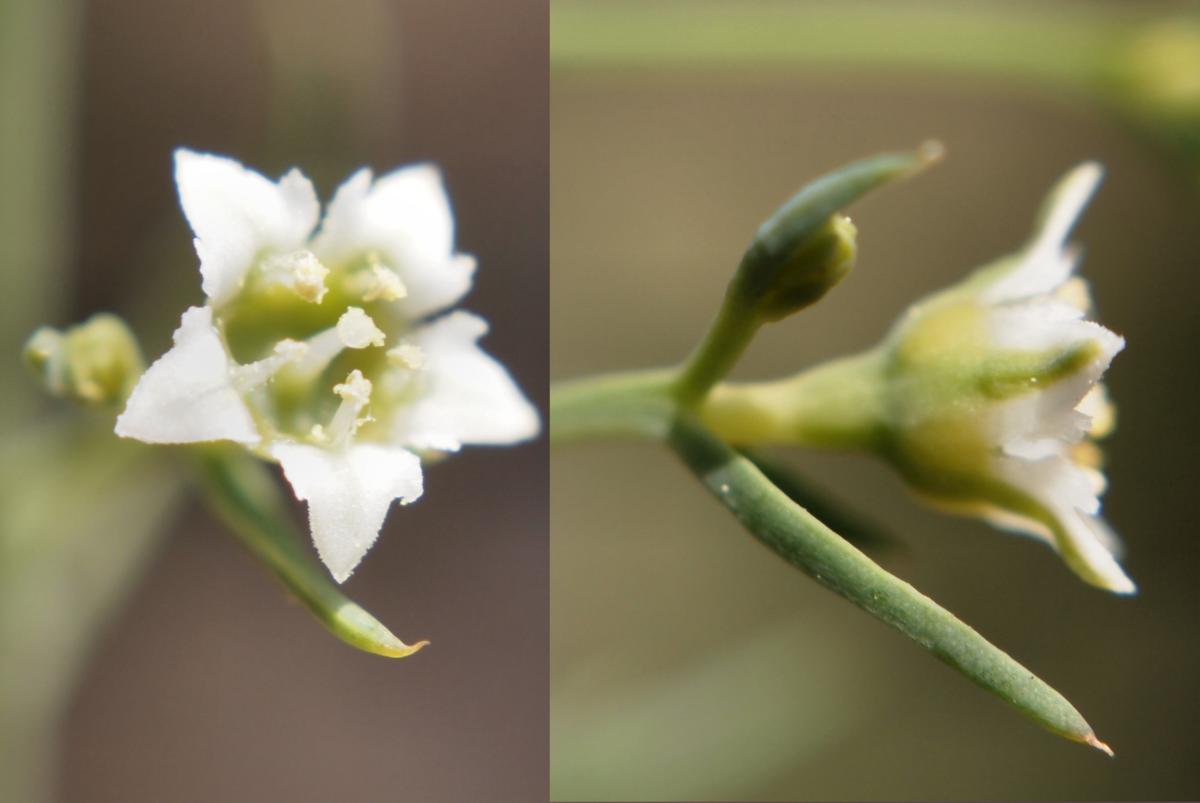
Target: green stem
722, 346
637, 404
39, 52
799, 538
1065, 46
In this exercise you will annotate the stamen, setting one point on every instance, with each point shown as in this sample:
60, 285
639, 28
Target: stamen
256, 374
354, 330
407, 355
356, 394
301, 271
357, 330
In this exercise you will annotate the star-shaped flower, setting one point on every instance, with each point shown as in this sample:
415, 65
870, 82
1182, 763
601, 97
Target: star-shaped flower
317, 347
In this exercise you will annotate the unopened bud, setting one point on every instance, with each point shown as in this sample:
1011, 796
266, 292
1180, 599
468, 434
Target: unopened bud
814, 268
806, 247
95, 363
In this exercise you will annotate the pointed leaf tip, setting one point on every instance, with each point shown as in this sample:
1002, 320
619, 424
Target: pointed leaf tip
1092, 741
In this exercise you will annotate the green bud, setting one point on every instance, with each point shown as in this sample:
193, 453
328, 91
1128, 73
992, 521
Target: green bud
805, 248
95, 363
813, 269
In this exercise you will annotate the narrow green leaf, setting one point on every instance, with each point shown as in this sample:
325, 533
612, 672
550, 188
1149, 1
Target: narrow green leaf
799, 538
247, 498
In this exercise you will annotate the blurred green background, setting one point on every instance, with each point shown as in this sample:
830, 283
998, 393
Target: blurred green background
212, 685
689, 663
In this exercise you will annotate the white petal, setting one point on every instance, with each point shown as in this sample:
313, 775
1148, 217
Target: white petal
236, 214
348, 492
1046, 263
1068, 495
188, 394
1090, 556
1064, 205
405, 218
468, 398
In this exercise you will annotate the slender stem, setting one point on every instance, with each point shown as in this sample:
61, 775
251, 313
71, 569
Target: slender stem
722, 346
1056, 44
636, 404
39, 52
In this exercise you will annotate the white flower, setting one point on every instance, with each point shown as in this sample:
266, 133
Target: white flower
315, 348
994, 393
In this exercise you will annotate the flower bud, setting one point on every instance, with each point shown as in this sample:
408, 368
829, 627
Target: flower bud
803, 250
95, 363
809, 271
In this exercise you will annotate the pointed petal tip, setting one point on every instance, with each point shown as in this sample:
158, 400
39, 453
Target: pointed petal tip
1092, 741
1115, 581
1125, 589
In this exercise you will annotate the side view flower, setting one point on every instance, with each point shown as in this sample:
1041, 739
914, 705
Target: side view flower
1000, 399
986, 396
324, 348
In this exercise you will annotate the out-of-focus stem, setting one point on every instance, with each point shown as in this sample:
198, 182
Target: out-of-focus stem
37, 53
1065, 45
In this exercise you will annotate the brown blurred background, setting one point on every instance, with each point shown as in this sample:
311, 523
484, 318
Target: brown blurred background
687, 662
212, 685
